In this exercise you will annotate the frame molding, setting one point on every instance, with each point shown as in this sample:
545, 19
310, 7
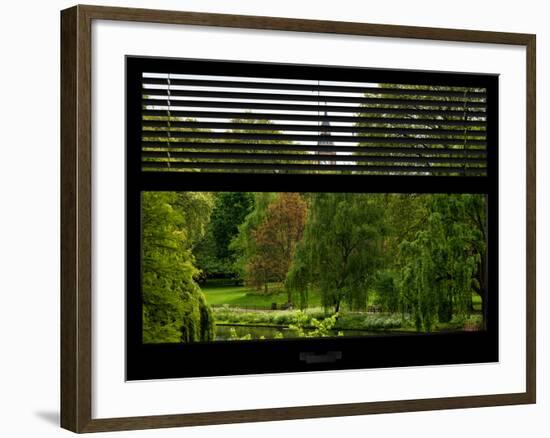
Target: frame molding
76, 222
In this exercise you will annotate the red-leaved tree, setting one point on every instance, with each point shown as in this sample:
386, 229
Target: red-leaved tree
275, 240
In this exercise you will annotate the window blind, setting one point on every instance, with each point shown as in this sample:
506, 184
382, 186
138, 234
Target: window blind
252, 124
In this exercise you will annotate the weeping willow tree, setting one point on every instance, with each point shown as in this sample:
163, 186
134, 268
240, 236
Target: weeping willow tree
341, 249
299, 277
440, 265
174, 308
427, 130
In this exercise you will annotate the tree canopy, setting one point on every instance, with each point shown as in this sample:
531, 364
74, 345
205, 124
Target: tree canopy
341, 248
213, 252
441, 261
174, 308
275, 239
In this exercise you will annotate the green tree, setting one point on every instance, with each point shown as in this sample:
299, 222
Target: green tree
213, 252
405, 215
436, 122
263, 127
385, 285
299, 278
440, 264
423, 229
243, 244
174, 308
341, 249
475, 214
229, 212
161, 148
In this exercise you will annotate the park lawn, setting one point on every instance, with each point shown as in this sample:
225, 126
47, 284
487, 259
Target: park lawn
220, 293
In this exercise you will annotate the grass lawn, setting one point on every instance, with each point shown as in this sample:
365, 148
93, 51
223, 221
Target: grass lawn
221, 292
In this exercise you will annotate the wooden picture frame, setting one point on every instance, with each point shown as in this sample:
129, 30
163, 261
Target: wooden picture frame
76, 218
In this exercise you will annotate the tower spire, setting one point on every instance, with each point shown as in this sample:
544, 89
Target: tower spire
324, 131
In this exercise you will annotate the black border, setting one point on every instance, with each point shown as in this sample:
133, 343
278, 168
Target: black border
146, 361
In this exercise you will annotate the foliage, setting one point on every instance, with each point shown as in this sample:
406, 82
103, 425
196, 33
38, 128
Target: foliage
381, 262
271, 317
387, 290
306, 326
234, 337
228, 213
299, 280
440, 264
243, 243
360, 321
369, 322
174, 308
341, 249
213, 253
441, 295
275, 240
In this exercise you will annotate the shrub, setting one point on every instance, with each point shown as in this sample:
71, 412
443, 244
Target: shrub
368, 322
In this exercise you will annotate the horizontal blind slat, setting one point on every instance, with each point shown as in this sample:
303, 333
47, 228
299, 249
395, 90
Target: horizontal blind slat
318, 157
306, 167
309, 108
321, 138
312, 148
174, 113
310, 87
313, 98
162, 125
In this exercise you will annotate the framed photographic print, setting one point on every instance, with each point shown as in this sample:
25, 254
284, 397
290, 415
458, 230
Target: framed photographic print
342, 213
